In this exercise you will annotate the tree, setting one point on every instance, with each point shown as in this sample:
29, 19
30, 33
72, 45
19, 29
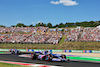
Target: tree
55, 26
43, 24
49, 25
20, 24
62, 30
2, 26
61, 25
70, 24
12, 25
91, 24
85, 24
97, 23
40, 24
31, 25
78, 24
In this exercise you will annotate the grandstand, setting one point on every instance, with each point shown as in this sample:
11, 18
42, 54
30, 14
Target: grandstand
86, 34
45, 35
36, 35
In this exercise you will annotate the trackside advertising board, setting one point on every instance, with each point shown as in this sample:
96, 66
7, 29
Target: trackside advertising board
77, 51
74, 51
95, 51
23, 50
57, 50
4, 49
67, 51
87, 51
38, 49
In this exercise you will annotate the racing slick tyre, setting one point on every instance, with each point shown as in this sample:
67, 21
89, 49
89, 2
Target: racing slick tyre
12, 52
68, 59
63, 56
49, 57
43, 58
33, 56
18, 52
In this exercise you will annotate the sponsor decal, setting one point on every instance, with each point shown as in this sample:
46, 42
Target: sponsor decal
57, 50
4, 49
95, 51
77, 51
88, 51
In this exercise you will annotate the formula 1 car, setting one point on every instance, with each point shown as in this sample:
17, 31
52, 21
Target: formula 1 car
49, 57
15, 51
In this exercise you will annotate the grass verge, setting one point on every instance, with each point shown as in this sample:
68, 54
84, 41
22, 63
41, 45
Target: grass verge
62, 40
10, 65
84, 58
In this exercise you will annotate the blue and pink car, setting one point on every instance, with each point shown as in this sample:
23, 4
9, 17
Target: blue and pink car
48, 56
15, 51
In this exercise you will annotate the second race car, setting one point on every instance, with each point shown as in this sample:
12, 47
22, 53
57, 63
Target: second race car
15, 51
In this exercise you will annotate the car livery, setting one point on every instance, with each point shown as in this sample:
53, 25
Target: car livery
46, 56
15, 51
49, 57
59, 57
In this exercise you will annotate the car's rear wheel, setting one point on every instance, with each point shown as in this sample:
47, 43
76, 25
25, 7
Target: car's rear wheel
12, 52
49, 57
43, 58
19, 52
33, 56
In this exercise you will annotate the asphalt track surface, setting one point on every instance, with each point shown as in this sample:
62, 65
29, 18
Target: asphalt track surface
10, 57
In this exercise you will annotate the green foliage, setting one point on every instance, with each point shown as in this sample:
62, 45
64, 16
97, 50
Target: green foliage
87, 24
61, 25
62, 40
31, 25
62, 30
49, 25
20, 24
13, 26
40, 24
2, 26
55, 26
69, 24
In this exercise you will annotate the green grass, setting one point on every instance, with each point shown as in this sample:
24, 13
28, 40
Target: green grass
61, 45
81, 45
2, 52
29, 46
10, 65
62, 40
84, 58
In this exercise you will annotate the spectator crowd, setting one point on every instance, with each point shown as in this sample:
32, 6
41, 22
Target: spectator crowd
22, 29
86, 34
37, 35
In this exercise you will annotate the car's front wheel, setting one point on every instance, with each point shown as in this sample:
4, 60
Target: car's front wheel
68, 59
63, 56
